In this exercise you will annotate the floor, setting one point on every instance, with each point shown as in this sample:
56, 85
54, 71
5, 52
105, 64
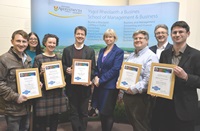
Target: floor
92, 126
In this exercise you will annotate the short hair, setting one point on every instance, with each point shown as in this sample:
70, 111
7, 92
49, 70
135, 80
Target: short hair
38, 47
50, 36
80, 28
161, 26
145, 33
20, 32
182, 24
110, 32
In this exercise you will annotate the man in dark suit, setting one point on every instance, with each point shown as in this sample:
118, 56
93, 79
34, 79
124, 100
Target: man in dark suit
78, 94
161, 35
179, 113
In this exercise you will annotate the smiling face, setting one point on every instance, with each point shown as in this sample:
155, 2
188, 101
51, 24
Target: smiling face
33, 41
19, 43
140, 41
79, 36
161, 35
179, 35
50, 44
109, 39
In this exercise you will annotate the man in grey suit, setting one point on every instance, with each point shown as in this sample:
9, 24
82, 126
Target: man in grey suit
161, 35
179, 114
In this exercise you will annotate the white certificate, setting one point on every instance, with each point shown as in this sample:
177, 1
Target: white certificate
28, 82
161, 81
81, 71
129, 75
53, 75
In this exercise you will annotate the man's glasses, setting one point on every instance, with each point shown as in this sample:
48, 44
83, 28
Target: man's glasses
139, 38
160, 33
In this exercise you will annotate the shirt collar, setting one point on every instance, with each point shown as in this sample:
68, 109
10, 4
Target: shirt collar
141, 51
163, 46
181, 50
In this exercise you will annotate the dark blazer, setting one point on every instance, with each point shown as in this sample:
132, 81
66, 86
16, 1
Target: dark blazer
108, 71
154, 48
185, 94
67, 59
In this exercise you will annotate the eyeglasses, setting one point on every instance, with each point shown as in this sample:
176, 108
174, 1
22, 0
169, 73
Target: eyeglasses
162, 33
33, 39
139, 38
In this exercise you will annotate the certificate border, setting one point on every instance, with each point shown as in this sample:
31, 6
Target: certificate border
73, 65
38, 79
122, 70
62, 74
172, 80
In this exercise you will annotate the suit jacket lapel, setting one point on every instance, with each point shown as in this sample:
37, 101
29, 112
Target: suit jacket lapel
107, 57
185, 56
100, 58
110, 54
169, 56
154, 49
168, 46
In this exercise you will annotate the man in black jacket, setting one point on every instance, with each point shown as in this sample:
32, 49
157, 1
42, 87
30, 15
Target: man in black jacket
161, 35
78, 94
179, 113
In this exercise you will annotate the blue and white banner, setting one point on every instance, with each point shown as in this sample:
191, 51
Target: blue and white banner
60, 18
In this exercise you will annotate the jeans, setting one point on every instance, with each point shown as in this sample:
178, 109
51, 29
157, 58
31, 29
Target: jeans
17, 123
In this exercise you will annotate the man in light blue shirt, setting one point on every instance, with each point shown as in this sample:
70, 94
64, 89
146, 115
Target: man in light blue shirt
138, 104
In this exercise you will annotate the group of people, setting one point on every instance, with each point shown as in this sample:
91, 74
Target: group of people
144, 112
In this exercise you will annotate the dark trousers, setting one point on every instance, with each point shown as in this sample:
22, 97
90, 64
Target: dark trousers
138, 109
79, 112
41, 123
106, 122
17, 123
165, 118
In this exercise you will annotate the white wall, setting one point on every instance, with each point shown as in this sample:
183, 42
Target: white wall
15, 14
189, 11
98, 2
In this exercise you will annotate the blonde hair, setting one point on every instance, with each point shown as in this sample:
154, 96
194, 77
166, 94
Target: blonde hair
110, 32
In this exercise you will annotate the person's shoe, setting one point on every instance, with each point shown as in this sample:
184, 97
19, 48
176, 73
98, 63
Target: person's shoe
92, 112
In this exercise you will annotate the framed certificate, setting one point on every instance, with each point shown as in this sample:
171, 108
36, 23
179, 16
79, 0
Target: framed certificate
129, 75
81, 71
53, 75
161, 81
28, 82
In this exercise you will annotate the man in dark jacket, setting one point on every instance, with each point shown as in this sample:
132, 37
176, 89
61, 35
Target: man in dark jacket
13, 103
161, 35
78, 94
179, 114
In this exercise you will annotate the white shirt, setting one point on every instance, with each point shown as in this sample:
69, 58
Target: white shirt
160, 49
144, 57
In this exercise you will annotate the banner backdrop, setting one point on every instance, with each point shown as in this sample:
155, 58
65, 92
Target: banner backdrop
60, 18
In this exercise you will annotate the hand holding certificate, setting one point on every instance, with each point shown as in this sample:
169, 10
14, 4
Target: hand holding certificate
129, 75
53, 75
81, 71
28, 82
161, 82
